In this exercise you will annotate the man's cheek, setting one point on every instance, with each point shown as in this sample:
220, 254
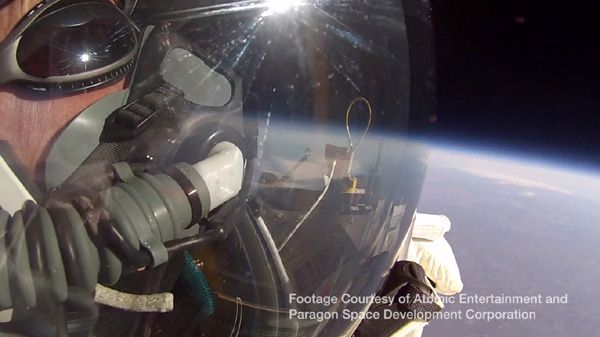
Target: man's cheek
30, 123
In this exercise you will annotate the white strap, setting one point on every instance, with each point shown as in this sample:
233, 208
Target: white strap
12, 192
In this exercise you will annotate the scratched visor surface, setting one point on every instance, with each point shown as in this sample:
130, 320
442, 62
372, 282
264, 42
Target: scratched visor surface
329, 88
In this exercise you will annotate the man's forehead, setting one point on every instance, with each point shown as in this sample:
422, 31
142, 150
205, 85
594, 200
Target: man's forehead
12, 12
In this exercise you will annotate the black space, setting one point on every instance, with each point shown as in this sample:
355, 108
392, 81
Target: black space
520, 74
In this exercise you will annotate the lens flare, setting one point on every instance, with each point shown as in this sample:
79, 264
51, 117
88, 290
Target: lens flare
281, 6
84, 57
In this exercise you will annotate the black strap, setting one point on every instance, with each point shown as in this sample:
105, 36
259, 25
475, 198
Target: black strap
129, 121
412, 292
120, 130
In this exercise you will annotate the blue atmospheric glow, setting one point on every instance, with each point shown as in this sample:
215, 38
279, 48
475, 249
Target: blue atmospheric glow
527, 157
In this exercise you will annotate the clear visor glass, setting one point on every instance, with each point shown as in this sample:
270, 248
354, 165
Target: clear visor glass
319, 98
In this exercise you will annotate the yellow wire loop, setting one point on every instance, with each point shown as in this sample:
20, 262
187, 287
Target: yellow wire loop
354, 101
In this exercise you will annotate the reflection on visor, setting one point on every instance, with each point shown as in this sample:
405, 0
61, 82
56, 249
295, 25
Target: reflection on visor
59, 45
201, 84
258, 158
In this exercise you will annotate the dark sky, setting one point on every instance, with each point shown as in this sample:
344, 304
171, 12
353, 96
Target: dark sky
520, 74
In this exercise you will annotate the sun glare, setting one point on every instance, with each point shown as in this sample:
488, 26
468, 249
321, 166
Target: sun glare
281, 6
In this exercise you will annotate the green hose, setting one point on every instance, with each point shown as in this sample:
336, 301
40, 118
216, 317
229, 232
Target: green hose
199, 285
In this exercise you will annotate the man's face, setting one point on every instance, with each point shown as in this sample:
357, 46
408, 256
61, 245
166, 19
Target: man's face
30, 123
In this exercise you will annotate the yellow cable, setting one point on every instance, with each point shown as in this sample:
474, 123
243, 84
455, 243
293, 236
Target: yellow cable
354, 101
354, 146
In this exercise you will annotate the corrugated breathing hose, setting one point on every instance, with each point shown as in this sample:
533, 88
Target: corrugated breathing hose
48, 252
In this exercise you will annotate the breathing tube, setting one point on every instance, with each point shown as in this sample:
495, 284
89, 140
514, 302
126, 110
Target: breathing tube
48, 251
